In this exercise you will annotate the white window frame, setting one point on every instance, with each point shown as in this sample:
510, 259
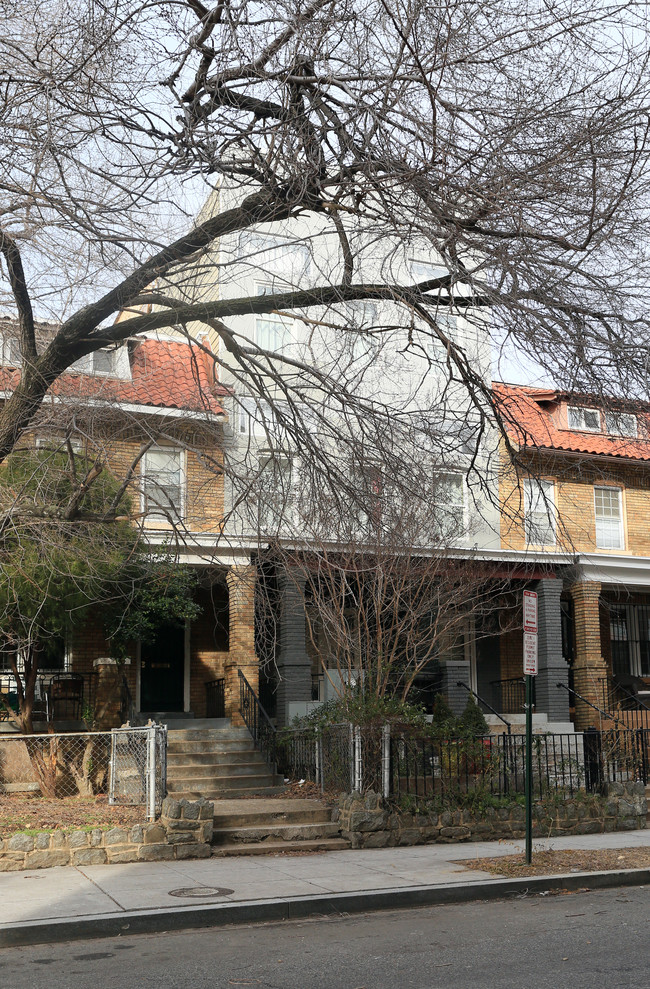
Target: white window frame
281, 324
614, 421
256, 418
11, 352
162, 511
602, 540
283, 465
450, 505
540, 491
57, 443
578, 412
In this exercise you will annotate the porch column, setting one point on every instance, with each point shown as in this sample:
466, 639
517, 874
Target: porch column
454, 671
241, 655
589, 667
294, 665
550, 699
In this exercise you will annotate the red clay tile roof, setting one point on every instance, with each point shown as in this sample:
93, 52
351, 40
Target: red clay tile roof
166, 374
536, 418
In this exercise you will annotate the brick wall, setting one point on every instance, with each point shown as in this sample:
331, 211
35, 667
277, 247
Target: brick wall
241, 586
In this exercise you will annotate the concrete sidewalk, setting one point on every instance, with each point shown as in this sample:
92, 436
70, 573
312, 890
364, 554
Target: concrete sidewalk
107, 900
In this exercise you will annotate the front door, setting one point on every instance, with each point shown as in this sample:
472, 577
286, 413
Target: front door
162, 671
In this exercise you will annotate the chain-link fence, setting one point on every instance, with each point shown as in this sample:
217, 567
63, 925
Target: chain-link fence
127, 764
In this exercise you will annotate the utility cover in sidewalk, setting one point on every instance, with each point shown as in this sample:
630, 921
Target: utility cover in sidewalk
201, 891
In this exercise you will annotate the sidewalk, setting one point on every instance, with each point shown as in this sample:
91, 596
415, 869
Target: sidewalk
108, 900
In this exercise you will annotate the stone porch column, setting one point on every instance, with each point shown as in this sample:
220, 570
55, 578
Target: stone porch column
454, 671
589, 667
241, 655
294, 665
550, 699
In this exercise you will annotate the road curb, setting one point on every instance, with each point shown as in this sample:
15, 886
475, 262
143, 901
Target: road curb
302, 907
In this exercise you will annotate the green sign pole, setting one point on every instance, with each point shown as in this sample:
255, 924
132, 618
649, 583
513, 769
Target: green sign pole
529, 769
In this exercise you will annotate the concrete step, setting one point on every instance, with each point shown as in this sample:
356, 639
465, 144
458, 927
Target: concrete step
213, 758
217, 770
216, 783
208, 734
210, 745
230, 793
199, 724
274, 832
281, 847
251, 813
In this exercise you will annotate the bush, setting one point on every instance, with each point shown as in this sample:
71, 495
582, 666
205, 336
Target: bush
472, 721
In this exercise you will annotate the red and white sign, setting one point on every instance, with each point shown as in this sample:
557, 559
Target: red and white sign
530, 612
530, 653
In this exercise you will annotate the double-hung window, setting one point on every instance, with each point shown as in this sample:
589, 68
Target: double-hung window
586, 420
609, 518
163, 482
271, 329
539, 512
449, 504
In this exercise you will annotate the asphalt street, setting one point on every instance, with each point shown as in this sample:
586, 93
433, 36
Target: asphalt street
581, 940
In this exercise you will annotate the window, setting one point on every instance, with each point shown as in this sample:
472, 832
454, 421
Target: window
163, 481
609, 518
11, 352
539, 512
54, 441
274, 492
257, 418
288, 260
271, 329
424, 271
101, 362
449, 503
621, 424
587, 420
629, 632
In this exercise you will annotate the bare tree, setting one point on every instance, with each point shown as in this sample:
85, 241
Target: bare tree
510, 141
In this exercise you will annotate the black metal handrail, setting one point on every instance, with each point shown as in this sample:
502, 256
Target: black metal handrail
215, 698
608, 715
481, 701
615, 693
257, 721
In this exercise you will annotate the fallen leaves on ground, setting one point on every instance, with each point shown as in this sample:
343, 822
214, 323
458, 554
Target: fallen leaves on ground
563, 862
42, 814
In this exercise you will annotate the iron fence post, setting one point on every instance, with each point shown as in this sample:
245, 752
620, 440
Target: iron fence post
356, 760
151, 773
385, 761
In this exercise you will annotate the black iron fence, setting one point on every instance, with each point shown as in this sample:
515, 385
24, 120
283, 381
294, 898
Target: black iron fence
402, 761
215, 698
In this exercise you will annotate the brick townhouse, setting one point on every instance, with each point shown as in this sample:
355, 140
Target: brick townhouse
152, 406
580, 496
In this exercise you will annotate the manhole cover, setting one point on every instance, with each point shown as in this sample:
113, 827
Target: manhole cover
201, 891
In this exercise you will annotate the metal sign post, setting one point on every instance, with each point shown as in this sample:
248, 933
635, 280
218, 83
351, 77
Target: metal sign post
530, 670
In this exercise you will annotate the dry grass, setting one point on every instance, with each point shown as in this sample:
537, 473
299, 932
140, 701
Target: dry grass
40, 814
563, 862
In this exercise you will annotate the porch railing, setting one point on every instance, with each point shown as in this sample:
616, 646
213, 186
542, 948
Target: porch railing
257, 721
510, 695
624, 702
215, 698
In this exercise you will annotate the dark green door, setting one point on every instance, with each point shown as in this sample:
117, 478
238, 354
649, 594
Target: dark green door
162, 668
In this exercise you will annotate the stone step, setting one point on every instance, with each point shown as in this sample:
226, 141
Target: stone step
250, 813
208, 745
230, 793
281, 847
216, 783
199, 724
274, 832
213, 758
217, 770
208, 734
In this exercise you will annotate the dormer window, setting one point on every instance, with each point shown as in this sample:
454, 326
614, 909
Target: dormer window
11, 352
107, 363
586, 420
621, 424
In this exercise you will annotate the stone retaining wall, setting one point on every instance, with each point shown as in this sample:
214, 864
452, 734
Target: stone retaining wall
184, 831
367, 822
